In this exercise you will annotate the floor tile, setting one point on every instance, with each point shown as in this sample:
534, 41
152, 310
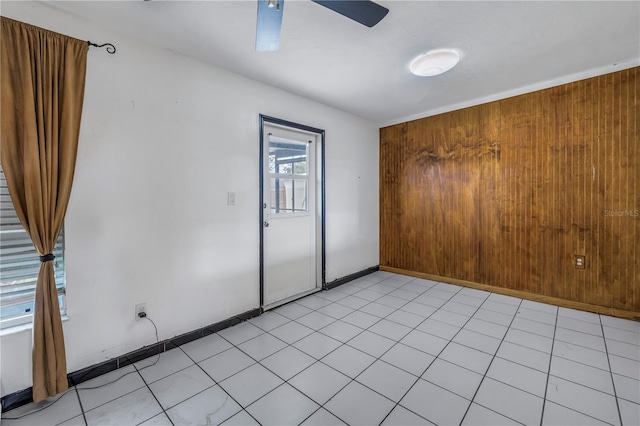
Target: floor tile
582, 374
408, 359
418, 309
453, 378
467, 297
390, 329
317, 345
79, 421
319, 382
428, 299
405, 294
555, 415
205, 347
481, 416
292, 310
451, 318
371, 343
269, 320
438, 328
518, 376
627, 388
226, 364
358, 405
534, 327
129, 409
361, 319
466, 357
400, 416
353, 302
509, 401
381, 288
262, 346
341, 331
625, 366
621, 323
501, 308
578, 315
322, 418
621, 335
353, 287
529, 340
392, 301
581, 339
315, 320
539, 307
99, 391
377, 309
240, 333
477, 341
583, 399
625, 350
494, 317
158, 420
435, 404
405, 318
581, 326
291, 332
335, 310
535, 315
250, 384
313, 302
331, 295
155, 368
507, 300
387, 380
348, 360
281, 407
288, 362
209, 407
581, 354
240, 419
425, 342
65, 408
180, 386
525, 356
368, 295
490, 329
460, 308
629, 412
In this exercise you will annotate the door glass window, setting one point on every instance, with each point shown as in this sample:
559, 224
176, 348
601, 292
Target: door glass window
288, 176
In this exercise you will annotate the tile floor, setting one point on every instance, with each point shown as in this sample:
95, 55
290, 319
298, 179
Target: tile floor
383, 349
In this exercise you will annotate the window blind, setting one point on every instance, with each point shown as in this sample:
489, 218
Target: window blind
19, 265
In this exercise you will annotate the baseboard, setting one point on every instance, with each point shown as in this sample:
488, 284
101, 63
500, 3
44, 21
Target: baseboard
24, 396
335, 283
620, 313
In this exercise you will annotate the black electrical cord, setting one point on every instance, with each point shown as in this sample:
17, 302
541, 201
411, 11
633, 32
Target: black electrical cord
59, 397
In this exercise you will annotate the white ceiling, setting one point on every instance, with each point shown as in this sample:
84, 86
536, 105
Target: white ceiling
507, 47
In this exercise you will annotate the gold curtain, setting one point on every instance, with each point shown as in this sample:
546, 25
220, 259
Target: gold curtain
41, 90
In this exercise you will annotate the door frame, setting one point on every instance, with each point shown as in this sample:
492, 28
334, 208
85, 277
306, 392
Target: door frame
266, 120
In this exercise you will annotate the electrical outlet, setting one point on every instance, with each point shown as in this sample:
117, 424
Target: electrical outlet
140, 308
579, 261
231, 198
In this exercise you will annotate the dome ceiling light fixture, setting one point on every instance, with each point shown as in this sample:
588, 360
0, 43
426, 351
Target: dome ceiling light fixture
434, 62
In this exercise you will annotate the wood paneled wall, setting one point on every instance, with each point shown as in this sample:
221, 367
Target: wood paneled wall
508, 192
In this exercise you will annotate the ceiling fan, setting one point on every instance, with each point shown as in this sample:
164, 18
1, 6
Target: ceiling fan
270, 12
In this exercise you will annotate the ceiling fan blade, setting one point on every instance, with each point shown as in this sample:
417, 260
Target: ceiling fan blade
269, 24
363, 11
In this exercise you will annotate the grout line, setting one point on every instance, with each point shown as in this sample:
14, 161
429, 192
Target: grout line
613, 383
84, 417
546, 387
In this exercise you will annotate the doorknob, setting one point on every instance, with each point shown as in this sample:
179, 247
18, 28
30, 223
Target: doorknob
266, 224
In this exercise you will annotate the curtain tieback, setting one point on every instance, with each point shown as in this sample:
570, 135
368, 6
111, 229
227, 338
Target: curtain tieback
47, 257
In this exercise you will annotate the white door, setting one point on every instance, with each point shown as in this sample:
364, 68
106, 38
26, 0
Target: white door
290, 214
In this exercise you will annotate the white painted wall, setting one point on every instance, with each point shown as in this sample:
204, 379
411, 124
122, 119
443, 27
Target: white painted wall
163, 139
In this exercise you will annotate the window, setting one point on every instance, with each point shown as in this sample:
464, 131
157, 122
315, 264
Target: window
19, 266
288, 176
